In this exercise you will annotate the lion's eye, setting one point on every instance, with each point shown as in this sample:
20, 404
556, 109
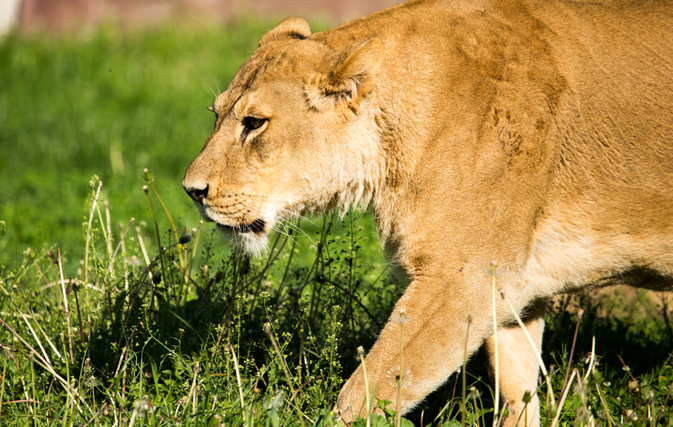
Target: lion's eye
253, 122
250, 124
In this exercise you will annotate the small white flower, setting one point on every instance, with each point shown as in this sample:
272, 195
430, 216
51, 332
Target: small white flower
144, 405
400, 316
393, 376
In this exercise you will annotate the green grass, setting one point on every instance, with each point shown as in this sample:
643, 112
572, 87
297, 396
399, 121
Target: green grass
146, 344
109, 104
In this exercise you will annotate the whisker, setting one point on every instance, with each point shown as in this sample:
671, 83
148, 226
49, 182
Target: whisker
212, 91
299, 216
298, 229
279, 230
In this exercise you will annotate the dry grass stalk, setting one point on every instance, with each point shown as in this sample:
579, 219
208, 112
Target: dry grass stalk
238, 378
88, 232
65, 305
142, 247
545, 373
361, 353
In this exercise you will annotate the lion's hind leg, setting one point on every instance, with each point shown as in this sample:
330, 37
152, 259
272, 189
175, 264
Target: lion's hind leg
519, 368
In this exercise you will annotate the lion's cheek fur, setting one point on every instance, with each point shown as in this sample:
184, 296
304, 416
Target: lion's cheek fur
342, 167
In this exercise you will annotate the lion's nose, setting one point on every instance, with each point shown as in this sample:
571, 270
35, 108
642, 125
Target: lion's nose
197, 194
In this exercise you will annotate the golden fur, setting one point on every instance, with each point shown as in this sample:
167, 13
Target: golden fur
536, 134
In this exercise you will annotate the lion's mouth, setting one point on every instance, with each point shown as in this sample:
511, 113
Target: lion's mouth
257, 226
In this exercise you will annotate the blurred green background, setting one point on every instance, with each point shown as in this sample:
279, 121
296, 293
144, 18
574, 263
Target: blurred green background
110, 104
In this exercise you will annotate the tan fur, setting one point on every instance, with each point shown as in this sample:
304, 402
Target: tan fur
536, 134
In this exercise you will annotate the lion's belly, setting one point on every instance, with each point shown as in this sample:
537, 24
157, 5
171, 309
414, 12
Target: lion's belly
568, 255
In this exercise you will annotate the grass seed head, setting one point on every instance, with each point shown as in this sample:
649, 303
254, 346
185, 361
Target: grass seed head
400, 316
186, 237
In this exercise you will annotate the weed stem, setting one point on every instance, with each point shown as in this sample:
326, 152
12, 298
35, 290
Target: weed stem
4, 376
238, 379
65, 305
566, 383
88, 234
361, 352
532, 344
464, 399
563, 399
142, 246
496, 398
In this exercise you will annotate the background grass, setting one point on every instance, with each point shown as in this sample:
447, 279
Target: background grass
150, 350
108, 104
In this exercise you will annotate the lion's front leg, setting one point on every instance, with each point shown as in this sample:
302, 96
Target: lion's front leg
519, 367
430, 324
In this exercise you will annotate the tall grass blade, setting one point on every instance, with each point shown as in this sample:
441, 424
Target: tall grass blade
361, 353
540, 362
65, 305
238, 380
88, 232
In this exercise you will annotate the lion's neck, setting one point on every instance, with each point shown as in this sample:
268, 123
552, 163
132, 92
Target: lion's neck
400, 153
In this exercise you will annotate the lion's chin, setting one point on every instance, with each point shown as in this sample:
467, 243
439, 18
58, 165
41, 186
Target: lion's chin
254, 244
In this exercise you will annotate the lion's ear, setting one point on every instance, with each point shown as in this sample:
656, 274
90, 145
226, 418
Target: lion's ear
288, 28
352, 78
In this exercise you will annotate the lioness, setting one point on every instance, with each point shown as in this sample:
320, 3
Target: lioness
536, 134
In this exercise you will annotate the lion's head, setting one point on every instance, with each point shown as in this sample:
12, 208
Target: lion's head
290, 137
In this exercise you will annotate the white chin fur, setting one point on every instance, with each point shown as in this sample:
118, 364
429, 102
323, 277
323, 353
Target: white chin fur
253, 244
250, 243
